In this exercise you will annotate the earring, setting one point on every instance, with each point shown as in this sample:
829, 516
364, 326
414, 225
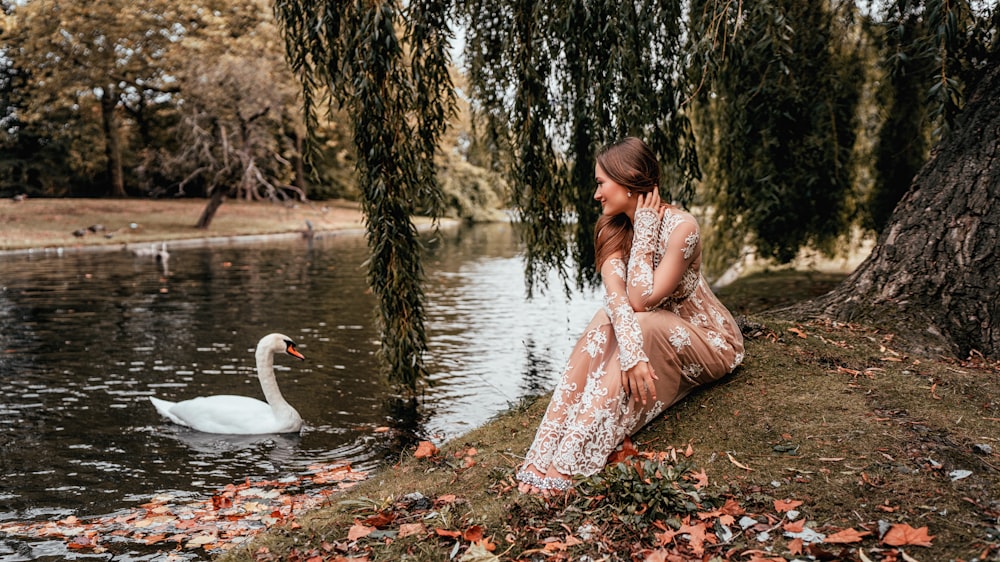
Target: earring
630, 194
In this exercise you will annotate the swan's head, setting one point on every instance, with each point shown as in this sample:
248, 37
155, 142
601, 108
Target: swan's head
277, 343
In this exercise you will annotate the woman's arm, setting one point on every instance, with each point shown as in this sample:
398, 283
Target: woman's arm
648, 287
637, 376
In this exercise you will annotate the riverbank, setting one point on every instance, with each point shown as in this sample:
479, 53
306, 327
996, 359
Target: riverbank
62, 225
828, 443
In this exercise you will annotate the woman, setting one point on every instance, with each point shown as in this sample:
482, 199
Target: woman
661, 332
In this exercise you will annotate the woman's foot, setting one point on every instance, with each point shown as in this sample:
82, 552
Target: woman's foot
551, 484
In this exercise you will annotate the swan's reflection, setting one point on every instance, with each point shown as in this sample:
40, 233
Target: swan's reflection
268, 451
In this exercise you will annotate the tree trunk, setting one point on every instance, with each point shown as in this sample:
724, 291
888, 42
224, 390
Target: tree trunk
218, 196
112, 142
933, 277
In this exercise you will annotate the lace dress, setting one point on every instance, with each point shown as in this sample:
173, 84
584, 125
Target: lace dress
689, 338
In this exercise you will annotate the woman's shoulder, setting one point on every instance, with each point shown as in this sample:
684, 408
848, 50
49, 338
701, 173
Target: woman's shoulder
674, 216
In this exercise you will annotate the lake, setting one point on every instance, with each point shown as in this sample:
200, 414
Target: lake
87, 337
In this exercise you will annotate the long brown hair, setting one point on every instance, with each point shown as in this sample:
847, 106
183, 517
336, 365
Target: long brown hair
631, 164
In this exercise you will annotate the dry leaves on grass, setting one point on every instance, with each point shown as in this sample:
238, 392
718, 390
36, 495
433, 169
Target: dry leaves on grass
228, 518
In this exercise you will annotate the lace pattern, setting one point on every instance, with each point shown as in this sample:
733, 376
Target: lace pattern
692, 340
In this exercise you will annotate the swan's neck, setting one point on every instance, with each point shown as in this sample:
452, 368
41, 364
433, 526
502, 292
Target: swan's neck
265, 372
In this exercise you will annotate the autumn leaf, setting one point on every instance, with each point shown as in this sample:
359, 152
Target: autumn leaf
846, 536
448, 533
358, 531
782, 506
425, 449
407, 529
794, 526
902, 534
700, 479
795, 546
444, 499
625, 451
798, 332
473, 534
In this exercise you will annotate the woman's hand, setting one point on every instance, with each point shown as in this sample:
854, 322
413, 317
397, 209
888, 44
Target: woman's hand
638, 381
651, 201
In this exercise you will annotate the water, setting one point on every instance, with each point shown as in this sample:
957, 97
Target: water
85, 338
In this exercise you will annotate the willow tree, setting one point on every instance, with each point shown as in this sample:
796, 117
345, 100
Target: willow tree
385, 64
576, 74
777, 116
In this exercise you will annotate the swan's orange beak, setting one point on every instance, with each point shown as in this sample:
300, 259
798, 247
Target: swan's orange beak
294, 352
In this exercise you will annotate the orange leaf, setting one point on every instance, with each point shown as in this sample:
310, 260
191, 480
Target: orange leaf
425, 449
795, 526
781, 506
795, 546
627, 450
689, 451
902, 534
845, 536
407, 529
448, 533
700, 479
798, 332
445, 499
473, 534
358, 531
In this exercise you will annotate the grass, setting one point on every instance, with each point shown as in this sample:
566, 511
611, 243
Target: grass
50, 223
830, 415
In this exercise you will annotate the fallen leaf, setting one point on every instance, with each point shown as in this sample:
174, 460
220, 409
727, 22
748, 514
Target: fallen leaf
444, 499
902, 534
425, 449
798, 332
358, 531
473, 534
848, 535
448, 533
407, 529
700, 479
782, 506
737, 463
794, 526
625, 451
795, 546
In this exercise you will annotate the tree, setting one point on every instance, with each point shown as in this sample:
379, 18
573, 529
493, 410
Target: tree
387, 66
932, 277
777, 117
91, 61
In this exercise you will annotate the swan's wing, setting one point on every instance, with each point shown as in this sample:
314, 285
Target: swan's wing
163, 407
225, 414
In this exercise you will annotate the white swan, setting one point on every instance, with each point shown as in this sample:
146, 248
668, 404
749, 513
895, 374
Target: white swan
241, 415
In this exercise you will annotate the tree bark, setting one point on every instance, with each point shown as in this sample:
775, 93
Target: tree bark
934, 274
112, 142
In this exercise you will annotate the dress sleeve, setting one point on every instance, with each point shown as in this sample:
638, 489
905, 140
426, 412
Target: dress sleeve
650, 283
616, 305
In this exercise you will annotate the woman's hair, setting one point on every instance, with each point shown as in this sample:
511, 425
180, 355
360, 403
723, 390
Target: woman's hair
631, 164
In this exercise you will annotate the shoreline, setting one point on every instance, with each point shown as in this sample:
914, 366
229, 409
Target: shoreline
57, 227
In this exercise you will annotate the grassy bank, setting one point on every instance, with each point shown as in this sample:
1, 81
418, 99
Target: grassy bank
827, 444
51, 223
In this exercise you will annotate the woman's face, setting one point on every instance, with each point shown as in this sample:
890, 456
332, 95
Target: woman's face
613, 196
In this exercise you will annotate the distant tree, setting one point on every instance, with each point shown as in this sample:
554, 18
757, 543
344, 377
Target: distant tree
90, 61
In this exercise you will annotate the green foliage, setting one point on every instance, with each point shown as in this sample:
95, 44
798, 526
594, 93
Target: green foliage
779, 129
641, 491
387, 67
576, 74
